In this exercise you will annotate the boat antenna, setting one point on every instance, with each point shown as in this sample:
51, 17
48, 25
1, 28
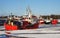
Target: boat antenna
11, 13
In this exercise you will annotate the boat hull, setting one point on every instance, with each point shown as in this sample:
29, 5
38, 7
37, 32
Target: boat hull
32, 31
47, 22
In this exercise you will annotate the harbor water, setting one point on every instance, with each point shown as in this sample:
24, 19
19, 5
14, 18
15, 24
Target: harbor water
40, 35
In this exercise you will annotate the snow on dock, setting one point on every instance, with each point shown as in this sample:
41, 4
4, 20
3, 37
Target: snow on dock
39, 35
36, 33
41, 30
52, 32
2, 32
2, 28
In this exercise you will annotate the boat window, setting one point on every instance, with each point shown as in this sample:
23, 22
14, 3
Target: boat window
17, 23
7, 22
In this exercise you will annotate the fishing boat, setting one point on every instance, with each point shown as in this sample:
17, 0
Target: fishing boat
26, 28
41, 20
27, 25
48, 21
23, 26
54, 21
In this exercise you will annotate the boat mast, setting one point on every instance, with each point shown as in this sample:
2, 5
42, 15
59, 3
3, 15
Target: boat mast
29, 13
10, 16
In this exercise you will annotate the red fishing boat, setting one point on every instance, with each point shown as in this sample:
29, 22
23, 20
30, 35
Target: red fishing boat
54, 21
19, 26
41, 21
26, 25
